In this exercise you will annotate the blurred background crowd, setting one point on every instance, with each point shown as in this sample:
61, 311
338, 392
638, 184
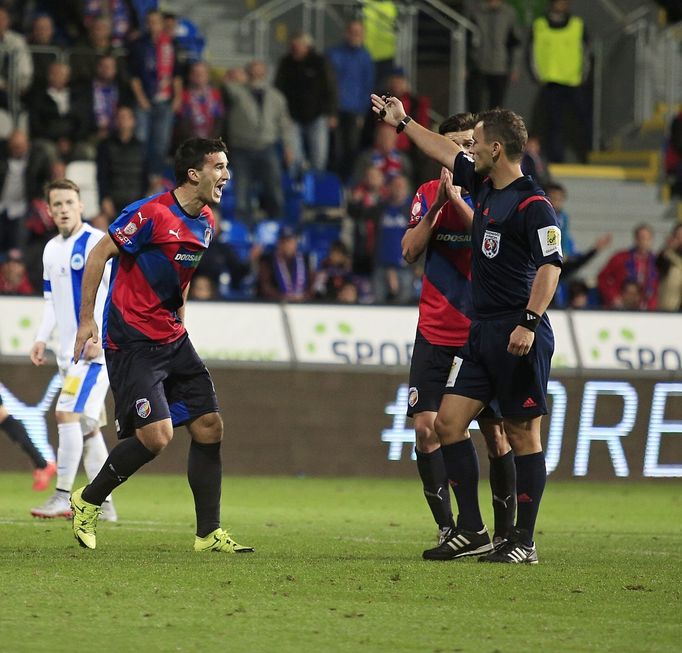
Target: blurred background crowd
102, 91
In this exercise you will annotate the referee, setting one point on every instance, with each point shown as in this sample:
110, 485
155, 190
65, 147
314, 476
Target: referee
516, 264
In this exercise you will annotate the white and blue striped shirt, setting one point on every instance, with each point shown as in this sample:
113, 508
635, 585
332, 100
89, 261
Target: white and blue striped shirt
63, 268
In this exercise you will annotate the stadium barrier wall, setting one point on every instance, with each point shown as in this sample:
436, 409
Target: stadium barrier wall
380, 336
294, 403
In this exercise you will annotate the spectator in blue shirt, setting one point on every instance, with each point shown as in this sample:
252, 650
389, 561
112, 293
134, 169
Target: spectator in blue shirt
573, 258
156, 83
393, 280
355, 74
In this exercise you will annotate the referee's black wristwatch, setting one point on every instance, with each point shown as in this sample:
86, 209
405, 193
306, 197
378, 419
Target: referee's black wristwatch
402, 124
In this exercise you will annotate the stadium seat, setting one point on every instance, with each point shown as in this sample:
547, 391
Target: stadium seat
293, 200
323, 190
228, 201
190, 40
237, 234
317, 238
266, 232
84, 173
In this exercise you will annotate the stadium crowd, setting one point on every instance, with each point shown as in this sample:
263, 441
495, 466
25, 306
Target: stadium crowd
103, 91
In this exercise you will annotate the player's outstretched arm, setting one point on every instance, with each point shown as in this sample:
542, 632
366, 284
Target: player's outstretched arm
541, 293
435, 146
94, 269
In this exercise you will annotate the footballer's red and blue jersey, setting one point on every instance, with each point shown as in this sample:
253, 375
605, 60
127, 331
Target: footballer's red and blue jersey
160, 248
445, 300
514, 232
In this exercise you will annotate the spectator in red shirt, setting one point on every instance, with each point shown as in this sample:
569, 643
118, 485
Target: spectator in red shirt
385, 155
364, 208
637, 264
13, 277
417, 106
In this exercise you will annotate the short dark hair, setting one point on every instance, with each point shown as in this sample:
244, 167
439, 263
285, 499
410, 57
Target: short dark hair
61, 184
506, 127
642, 226
555, 185
458, 123
191, 154
630, 281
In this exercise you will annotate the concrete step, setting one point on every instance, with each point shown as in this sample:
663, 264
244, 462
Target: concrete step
612, 172
627, 158
599, 206
610, 194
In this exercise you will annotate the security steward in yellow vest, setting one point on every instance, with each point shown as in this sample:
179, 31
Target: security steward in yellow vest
559, 61
380, 19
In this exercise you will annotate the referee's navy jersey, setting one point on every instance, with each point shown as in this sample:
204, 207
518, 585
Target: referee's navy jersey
515, 231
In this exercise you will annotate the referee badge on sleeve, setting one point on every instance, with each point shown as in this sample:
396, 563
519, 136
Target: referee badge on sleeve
550, 240
491, 243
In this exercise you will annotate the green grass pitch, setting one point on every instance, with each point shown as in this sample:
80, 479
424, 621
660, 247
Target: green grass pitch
338, 568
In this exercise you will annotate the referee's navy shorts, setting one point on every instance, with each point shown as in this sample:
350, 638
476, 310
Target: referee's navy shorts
157, 382
484, 370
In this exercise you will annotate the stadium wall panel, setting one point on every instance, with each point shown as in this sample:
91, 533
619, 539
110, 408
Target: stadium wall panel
336, 422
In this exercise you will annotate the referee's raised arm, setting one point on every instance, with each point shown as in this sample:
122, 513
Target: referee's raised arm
435, 146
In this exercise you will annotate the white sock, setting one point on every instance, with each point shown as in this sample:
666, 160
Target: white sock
68, 454
95, 455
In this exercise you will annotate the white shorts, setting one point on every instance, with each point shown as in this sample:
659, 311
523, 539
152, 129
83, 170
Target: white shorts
84, 390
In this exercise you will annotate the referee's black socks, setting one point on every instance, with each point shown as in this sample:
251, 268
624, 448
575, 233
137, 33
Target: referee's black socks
123, 461
461, 464
531, 476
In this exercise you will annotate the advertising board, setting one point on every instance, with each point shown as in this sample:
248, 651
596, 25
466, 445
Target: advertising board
341, 423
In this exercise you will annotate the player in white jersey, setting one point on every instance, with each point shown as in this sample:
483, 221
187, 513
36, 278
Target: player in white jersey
80, 407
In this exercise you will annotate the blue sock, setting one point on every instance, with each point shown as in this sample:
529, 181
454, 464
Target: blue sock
461, 464
531, 476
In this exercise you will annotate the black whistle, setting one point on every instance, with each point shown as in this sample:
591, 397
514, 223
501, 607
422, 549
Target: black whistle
382, 113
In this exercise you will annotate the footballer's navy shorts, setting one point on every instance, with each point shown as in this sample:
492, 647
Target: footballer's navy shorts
485, 370
429, 371
157, 382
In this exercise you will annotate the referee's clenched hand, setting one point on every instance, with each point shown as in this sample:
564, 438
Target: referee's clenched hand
520, 341
392, 108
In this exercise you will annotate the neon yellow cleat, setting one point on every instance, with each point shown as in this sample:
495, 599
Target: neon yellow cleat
84, 520
219, 540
